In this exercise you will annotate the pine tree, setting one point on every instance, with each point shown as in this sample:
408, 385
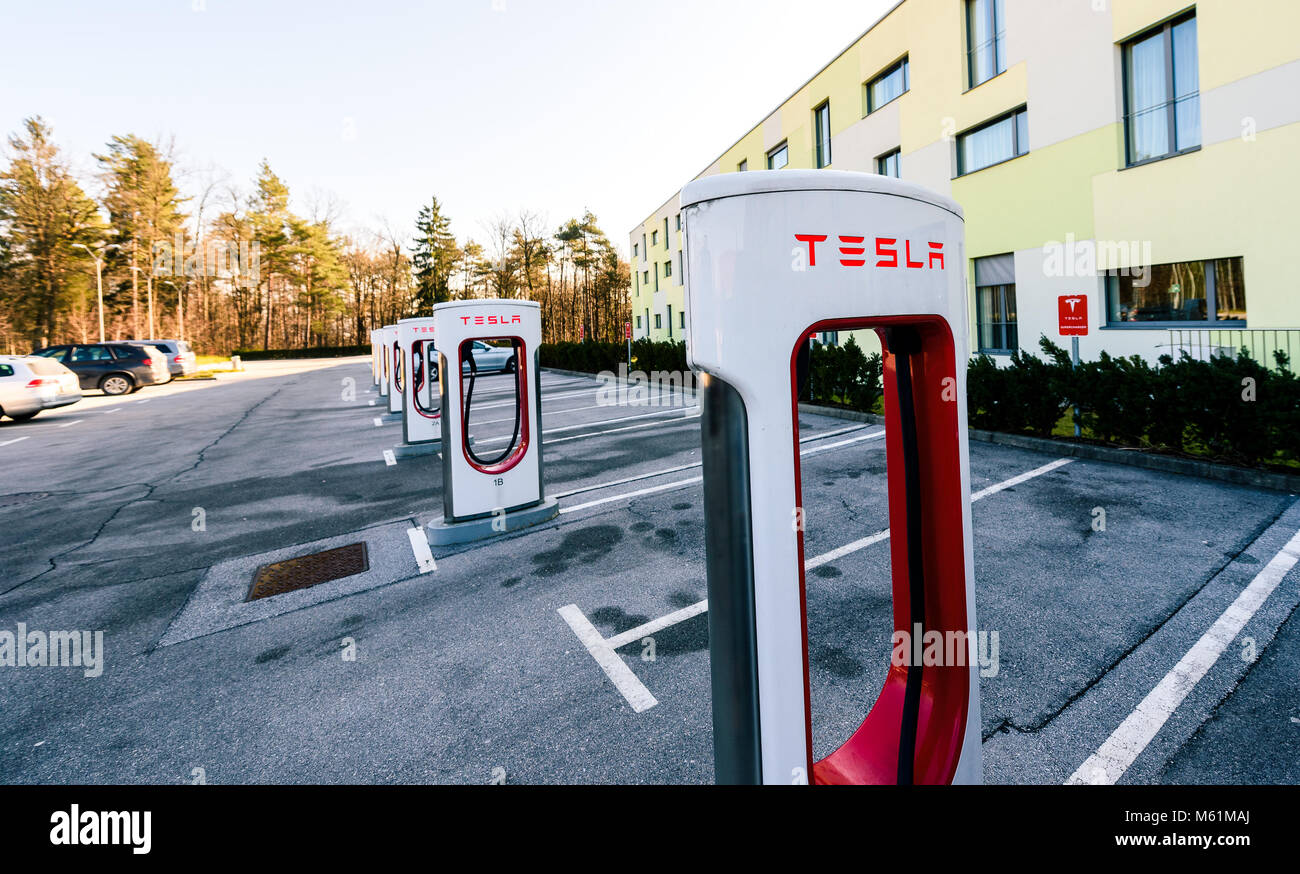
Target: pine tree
434, 256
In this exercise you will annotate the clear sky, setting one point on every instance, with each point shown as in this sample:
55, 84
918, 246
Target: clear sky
492, 105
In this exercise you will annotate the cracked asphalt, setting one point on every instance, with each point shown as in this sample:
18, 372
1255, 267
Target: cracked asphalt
470, 669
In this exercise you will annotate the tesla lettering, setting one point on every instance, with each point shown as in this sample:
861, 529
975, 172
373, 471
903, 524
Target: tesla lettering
853, 250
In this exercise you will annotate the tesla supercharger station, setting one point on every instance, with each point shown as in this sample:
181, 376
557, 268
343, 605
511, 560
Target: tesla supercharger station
493, 485
396, 378
374, 357
772, 258
421, 402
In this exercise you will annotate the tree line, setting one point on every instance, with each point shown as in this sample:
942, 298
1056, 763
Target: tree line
228, 268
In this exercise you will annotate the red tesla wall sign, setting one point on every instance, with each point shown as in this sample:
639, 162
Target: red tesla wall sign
1072, 310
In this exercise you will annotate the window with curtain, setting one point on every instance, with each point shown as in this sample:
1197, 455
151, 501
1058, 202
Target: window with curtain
887, 86
778, 157
985, 40
995, 304
743, 166
1162, 104
822, 129
999, 140
887, 164
1189, 291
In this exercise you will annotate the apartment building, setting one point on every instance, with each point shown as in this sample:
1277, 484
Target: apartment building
1141, 154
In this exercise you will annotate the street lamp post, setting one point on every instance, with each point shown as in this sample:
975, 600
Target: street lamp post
99, 278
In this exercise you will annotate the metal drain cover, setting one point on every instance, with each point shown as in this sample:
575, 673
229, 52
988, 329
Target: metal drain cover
309, 570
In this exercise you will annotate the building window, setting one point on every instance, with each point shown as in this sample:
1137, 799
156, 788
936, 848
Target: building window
778, 157
666, 242
679, 221
995, 304
636, 250
742, 166
656, 277
887, 86
887, 164
644, 247
638, 323
681, 320
986, 34
668, 268
1162, 104
1208, 292
822, 129
670, 321
659, 321
654, 238
992, 143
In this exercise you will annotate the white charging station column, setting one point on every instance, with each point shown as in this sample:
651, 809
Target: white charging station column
376, 366
492, 485
773, 257
385, 361
396, 378
421, 405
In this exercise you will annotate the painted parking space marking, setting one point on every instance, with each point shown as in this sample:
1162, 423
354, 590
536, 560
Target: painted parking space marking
610, 662
683, 483
15, 440
691, 611
640, 427
420, 547
73, 422
681, 467
507, 437
1135, 733
390, 458
379, 423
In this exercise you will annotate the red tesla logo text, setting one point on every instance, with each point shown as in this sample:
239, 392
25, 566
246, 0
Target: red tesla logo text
491, 320
853, 252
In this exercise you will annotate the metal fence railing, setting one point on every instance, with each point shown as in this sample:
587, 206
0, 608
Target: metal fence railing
1258, 343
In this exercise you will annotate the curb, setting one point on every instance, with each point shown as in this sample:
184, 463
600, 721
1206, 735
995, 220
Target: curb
1242, 476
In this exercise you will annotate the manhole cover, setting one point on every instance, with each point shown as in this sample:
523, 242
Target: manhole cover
23, 498
309, 570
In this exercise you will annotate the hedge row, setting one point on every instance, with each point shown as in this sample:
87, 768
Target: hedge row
1231, 409
592, 357
842, 376
313, 352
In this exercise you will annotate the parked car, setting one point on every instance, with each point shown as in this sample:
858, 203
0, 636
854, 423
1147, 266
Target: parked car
30, 384
181, 359
113, 368
488, 358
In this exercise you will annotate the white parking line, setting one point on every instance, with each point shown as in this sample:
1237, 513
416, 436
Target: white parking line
389, 457
506, 437
1135, 733
15, 440
817, 561
73, 422
614, 667
379, 423
112, 410
682, 483
420, 546
619, 430
681, 467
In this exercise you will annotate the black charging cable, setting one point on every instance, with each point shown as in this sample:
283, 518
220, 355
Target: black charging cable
904, 344
469, 395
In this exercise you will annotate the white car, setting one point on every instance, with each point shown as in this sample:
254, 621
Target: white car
181, 360
488, 358
29, 384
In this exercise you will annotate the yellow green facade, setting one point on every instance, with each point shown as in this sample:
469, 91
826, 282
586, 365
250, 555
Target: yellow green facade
1233, 196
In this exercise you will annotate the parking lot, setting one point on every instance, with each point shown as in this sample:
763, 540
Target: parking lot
577, 652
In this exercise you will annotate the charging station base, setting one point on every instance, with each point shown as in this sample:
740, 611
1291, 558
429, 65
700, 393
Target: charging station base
392, 417
412, 450
444, 533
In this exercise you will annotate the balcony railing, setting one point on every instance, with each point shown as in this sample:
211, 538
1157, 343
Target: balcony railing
1258, 343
